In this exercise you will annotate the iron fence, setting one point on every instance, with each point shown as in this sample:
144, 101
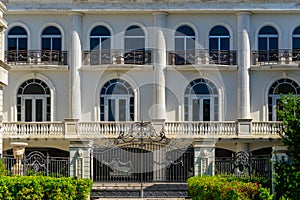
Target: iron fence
243, 164
36, 163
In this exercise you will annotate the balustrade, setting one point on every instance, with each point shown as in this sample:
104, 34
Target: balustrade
113, 129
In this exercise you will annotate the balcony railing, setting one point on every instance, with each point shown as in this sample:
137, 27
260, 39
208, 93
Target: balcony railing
113, 129
36, 57
29, 129
200, 128
117, 56
276, 56
103, 128
267, 128
202, 57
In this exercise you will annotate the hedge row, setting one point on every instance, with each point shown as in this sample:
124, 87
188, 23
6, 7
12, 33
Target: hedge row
44, 188
221, 188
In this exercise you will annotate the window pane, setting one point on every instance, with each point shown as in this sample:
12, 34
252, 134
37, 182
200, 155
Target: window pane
134, 31
134, 43
213, 44
219, 31
22, 43
273, 43
190, 43
296, 43
94, 44
122, 110
28, 110
224, 44
17, 31
46, 43
262, 43
39, 110
100, 31
12, 44
51, 30
105, 43
185, 31
206, 109
195, 110
111, 110
56, 44
179, 44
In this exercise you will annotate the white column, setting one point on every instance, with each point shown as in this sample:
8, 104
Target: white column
159, 62
2, 38
244, 61
75, 58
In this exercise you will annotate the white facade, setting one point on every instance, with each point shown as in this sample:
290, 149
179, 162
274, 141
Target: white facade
243, 35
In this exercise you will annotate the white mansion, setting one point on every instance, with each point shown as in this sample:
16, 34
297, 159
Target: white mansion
84, 71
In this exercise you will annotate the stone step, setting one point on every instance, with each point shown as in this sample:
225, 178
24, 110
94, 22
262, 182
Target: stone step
167, 191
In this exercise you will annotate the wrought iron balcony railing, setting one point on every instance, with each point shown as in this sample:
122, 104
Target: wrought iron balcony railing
202, 56
36, 57
276, 56
117, 56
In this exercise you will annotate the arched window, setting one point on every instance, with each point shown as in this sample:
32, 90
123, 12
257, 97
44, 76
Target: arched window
219, 45
280, 87
201, 101
134, 51
100, 45
296, 44
51, 45
33, 101
184, 45
117, 101
268, 44
17, 45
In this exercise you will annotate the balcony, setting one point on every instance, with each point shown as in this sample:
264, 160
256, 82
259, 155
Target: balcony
36, 57
276, 57
117, 57
202, 57
94, 130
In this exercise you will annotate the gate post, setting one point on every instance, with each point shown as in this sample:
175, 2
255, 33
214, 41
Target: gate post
80, 158
204, 157
278, 154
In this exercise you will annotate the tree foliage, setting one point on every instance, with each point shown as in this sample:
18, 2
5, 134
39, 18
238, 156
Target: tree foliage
288, 170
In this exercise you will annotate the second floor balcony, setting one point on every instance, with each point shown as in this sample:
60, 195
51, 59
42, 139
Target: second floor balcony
117, 57
93, 130
36, 57
276, 57
202, 57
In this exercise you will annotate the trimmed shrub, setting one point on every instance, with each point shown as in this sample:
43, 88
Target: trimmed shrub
221, 188
44, 188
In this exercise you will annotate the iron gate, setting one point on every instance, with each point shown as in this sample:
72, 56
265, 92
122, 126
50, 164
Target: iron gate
142, 156
133, 163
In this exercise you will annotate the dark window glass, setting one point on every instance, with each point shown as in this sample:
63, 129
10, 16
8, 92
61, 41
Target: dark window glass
219, 31
134, 31
185, 31
100, 31
51, 30
17, 31
267, 30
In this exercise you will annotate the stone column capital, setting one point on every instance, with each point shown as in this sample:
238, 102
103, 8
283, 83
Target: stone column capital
244, 13
160, 13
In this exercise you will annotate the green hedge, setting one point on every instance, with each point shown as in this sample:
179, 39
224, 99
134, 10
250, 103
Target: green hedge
43, 188
221, 188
